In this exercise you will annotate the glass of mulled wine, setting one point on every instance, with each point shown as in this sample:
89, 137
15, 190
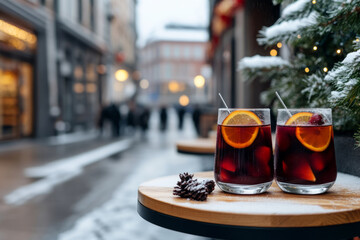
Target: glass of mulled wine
244, 157
304, 151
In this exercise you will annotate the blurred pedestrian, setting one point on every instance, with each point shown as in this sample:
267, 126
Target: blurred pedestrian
144, 119
163, 118
111, 114
131, 119
181, 112
196, 118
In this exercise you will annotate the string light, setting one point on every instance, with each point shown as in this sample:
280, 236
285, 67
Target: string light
315, 48
313, 1
338, 51
279, 44
325, 69
307, 70
273, 52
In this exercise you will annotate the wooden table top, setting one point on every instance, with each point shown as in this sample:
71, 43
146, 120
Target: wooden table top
341, 205
197, 146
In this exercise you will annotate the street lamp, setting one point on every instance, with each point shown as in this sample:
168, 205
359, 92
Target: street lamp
184, 100
199, 81
121, 75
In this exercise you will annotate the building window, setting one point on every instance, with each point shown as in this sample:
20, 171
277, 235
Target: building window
198, 52
80, 14
169, 70
166, 51
92, 15
187, 52
176, 52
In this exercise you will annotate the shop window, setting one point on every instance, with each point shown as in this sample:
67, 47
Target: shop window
16, 99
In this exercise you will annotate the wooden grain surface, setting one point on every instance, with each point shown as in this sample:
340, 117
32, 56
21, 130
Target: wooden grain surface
340, 205
197, 146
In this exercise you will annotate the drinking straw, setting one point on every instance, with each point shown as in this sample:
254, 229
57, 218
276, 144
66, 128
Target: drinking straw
224, 102
282, 102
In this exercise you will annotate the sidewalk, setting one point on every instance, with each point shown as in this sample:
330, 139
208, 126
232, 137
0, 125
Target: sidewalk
16, 157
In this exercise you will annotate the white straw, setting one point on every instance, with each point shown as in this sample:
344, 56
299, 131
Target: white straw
282, 102
224, 102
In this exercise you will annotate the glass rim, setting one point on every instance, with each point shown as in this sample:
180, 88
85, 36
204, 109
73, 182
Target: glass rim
248, 109
311, 109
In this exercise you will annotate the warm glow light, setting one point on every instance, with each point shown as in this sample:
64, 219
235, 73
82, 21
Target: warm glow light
315, 48
144, 83
279, 45
78, 87
184, 100
101, 69
19, 33
199, 81
338, 51
121, 75
313, 1
299, 36
358, 40
91, 87
78, 72
325, 69
307, 70
173, 86
273, 52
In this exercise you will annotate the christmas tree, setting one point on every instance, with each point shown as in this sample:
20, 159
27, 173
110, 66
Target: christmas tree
320, 58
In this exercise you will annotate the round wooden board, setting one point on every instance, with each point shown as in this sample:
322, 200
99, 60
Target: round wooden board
341, 205
197, 146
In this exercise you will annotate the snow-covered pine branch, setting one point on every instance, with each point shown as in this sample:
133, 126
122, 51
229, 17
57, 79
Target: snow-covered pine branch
343, 76
261, 62
294, 8
276, 33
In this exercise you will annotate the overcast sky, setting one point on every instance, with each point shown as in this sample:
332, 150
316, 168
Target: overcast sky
153, 14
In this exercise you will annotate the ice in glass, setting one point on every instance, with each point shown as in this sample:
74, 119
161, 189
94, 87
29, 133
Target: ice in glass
244, 157
304, 151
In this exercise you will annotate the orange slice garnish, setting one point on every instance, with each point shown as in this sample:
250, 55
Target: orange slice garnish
315, 138
240, 128
299, 118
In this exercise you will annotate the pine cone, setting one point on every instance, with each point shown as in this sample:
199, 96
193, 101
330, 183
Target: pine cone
185, 176
192, 188
210, 186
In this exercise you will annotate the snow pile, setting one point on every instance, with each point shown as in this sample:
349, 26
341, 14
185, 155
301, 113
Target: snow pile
261, 62
295, 7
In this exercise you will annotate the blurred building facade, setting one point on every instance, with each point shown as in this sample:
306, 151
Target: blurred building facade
170, 61
56, 64
234, 27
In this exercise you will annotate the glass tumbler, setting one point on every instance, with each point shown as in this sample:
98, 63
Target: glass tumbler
304, 151
244, 157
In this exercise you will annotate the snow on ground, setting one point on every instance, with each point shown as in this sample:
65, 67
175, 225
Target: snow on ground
118, 218
60, 171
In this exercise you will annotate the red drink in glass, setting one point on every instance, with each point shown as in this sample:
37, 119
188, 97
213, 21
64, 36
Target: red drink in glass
244, 159
246, 166
304, 153
296, 164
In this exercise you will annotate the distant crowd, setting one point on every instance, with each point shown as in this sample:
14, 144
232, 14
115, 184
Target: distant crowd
125, 119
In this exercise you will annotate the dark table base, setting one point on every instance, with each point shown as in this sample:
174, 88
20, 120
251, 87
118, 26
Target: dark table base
344, 231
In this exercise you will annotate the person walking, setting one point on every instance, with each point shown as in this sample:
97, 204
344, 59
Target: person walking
163, 118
